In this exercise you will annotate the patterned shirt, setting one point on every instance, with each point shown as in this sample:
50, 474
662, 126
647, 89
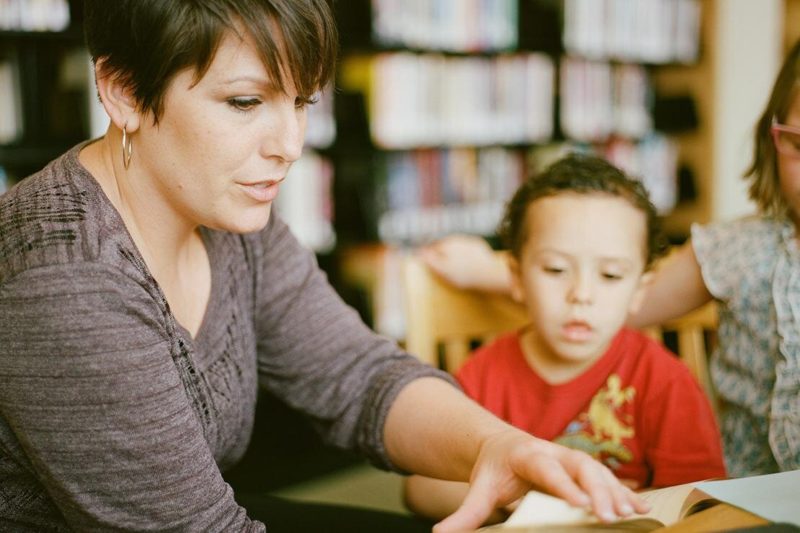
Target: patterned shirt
752, 266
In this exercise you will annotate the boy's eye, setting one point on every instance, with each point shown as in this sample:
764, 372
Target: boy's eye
612, 276
243, 103
553, 269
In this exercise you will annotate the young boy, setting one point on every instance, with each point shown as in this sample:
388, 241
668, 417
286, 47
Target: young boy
582, 236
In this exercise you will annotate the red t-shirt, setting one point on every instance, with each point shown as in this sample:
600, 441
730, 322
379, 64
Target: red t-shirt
637, 408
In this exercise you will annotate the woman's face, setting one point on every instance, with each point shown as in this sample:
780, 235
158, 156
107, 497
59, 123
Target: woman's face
223, 145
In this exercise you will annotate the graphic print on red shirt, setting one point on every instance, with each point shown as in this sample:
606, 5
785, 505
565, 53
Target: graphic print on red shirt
637, 408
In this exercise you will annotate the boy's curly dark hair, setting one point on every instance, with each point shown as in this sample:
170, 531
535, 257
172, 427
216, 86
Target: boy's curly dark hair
580, 174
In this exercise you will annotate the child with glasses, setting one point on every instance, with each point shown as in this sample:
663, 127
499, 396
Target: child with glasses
751, 267
582, 236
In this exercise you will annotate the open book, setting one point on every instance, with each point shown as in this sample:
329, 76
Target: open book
541, 512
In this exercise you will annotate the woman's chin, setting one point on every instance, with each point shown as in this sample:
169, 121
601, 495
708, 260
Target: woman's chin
249, 221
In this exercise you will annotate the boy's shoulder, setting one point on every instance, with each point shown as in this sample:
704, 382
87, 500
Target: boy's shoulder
648, 354
504, 347
649, 359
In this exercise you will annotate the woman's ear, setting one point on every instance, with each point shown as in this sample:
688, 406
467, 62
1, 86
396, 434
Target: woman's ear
517, 291
116, 97
641, 291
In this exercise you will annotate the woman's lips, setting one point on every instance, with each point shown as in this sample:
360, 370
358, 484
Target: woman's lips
262, 191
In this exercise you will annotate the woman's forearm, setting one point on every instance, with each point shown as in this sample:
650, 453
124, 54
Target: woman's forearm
451, 426
434, 430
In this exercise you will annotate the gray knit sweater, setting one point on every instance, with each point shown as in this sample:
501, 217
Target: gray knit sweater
111, 416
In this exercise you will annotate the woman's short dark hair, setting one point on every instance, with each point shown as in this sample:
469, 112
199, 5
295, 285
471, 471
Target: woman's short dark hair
765, 189
145, 43
580, 174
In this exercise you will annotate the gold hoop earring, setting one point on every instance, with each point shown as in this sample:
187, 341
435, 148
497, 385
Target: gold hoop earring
127, 147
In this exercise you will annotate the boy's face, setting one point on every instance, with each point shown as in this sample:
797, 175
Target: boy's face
579, 274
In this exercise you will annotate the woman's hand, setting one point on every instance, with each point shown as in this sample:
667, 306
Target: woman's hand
512, 462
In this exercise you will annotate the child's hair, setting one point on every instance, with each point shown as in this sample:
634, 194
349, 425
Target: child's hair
580, 174
762, 174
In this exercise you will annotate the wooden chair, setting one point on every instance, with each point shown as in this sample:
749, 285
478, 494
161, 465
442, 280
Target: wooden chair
439, 315
695, 334
443, 323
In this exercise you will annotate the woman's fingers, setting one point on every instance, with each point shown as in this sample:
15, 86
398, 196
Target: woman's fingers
479, 503
610, 498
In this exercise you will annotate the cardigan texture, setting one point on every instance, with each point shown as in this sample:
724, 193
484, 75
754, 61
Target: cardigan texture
112, 417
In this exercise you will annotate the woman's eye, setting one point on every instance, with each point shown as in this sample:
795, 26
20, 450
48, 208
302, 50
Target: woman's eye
243, 104
301, 102
553, 269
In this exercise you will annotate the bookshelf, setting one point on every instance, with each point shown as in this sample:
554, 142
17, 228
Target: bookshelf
43, 84
445, 108
48, 104
306, 198
440, 97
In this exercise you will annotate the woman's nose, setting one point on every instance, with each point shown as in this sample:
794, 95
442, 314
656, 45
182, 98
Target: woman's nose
287, 134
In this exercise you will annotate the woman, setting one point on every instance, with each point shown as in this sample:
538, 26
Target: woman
145, 291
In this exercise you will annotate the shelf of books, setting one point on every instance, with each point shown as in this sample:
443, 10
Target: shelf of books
464, 98
42, 84
48, 103
306, 198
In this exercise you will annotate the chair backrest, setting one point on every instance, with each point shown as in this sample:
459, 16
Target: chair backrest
695, 334
443, 323
439, 315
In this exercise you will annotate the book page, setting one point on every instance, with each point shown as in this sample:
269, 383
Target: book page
538, 508
772, 496
668, 505
539, 512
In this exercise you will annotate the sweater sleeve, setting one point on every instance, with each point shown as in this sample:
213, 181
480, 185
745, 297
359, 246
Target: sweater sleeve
95, 408
318, 356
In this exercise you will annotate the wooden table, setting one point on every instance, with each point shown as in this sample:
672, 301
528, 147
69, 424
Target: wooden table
718, 518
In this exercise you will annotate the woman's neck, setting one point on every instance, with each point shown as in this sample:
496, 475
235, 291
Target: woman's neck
163, 238
172, 249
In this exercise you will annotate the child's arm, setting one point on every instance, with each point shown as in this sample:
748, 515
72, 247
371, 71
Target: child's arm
468, 262
437, 498
677, 288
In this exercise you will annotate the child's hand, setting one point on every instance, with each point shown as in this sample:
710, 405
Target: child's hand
467, 262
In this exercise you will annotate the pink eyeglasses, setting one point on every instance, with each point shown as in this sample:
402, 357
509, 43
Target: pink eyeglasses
786, 139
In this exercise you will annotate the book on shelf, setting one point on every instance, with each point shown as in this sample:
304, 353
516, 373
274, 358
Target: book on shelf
420, 99
10, 104
27, 15
542, 512
648, 31
451, 25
